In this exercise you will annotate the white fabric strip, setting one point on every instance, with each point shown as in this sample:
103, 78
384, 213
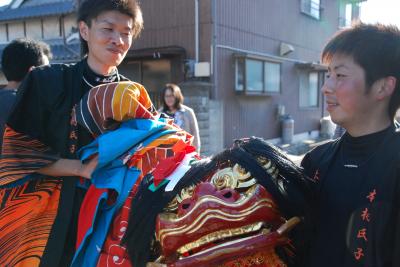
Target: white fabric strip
179, 172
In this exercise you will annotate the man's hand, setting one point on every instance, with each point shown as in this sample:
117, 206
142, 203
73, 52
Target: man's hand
88, 168
71, 167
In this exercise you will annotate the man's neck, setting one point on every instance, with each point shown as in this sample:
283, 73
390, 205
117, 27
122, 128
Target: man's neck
369, 127
12, 85
100, 68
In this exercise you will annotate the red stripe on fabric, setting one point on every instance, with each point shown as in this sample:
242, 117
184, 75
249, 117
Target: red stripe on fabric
87, 212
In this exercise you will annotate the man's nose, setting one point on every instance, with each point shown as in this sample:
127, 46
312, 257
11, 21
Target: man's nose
117, 38
328, 87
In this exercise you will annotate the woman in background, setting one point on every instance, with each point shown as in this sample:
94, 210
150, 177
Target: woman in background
183, 116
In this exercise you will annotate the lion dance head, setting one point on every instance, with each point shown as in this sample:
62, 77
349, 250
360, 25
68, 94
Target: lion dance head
234, 209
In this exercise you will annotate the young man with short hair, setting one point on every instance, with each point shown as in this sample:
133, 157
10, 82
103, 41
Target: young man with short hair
358, 176
18, 58
40, 164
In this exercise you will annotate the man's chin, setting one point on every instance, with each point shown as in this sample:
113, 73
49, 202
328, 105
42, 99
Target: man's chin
337, 121
113, 60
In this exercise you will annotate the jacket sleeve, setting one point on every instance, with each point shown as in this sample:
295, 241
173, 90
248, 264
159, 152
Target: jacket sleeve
23, 152
306, 164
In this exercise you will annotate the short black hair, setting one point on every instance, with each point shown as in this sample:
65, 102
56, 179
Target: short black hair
91, 9
20, 55
375, 48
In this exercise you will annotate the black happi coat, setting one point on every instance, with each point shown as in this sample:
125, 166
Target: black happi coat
357, 206
39, 132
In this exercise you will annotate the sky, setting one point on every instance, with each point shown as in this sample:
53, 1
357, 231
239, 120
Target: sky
4, 2
384, 11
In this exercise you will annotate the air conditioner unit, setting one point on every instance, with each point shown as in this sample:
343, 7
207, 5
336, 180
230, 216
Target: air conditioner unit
202, 69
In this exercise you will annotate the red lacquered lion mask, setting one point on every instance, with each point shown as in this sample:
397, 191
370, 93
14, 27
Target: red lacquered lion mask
231, 210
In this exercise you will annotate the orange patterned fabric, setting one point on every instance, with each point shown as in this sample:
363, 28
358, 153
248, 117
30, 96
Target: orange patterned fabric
21, 156
27, 209
26, 216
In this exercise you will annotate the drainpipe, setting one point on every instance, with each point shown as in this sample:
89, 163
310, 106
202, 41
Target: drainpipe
196, 29
214, 61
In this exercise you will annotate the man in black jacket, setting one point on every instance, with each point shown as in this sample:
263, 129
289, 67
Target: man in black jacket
357, 203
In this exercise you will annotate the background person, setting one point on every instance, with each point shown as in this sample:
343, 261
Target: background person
183, 116
18, 58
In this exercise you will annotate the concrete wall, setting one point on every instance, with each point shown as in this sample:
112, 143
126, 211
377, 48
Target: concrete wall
197, 97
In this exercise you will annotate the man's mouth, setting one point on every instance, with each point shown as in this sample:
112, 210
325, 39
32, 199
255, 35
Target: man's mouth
114, 51
332, 104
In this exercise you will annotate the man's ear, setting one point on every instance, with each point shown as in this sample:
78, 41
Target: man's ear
83, 30
386, 87
31, 68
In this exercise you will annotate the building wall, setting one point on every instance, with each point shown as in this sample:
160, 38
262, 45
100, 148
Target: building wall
51, 28
254, 25
171, 23
69, 23
34, 29
257, 26
3, 33
260, 27
16, 30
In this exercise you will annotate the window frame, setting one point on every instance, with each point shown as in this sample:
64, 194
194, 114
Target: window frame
243, 90
306, 7
320, 79
354, 12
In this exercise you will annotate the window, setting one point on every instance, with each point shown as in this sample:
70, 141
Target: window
257, 76
349, 10
153, 74
311, 8
272, 77
254, 75
240, 74
309, 89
